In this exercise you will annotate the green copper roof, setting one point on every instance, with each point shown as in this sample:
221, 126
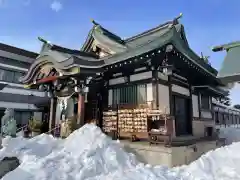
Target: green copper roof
171, 32
106, 38
157, 39
144, 42
226, 46
230, 70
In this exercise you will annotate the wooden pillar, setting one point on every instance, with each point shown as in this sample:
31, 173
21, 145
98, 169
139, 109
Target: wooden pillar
155, 103
52, 114
81, 109
171, 98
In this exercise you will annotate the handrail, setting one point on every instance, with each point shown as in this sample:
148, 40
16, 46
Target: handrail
21, 128
52, 129
17, 130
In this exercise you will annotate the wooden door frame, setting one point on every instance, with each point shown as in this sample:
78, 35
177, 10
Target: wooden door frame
188, 99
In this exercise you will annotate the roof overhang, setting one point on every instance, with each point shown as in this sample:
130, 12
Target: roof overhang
2, 85
217, 92
230, 70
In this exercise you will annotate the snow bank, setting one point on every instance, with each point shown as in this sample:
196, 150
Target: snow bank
220, 164
87, 154
232, 134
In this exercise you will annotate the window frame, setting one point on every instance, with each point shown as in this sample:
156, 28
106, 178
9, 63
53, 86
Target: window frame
121, 95
203, 102
14, 73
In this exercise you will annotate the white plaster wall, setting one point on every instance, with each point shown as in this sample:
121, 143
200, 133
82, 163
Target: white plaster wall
116, 81
140, 76
180, 90
23, 91
149, 92
206, 114
17, 105
198, 128
110, 97
163, 95
195, 106
37, 115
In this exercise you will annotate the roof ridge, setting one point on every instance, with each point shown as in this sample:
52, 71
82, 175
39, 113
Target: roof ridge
168, 23
148, 31
64, 49
117, 54
70, 51
7, 47
226, 46
97, 26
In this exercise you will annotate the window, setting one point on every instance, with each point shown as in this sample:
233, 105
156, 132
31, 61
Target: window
225, 118
22, 117
231, 119
10, 76
216, 118
235, 120
205, 104
220, 118
136, 94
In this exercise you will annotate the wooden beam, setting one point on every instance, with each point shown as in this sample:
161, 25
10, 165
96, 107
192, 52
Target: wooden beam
52, 114
81, 109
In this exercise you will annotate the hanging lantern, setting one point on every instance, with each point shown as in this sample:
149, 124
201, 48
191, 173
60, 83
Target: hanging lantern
50, 94
77, 89
86, 89
168, 70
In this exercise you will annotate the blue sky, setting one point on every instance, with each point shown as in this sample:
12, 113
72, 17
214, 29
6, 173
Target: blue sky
67, 22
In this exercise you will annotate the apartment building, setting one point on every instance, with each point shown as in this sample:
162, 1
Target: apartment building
14, 63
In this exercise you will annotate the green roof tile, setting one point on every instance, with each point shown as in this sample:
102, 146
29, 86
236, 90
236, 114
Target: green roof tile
230, 70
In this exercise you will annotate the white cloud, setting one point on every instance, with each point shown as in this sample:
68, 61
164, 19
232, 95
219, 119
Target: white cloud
56, 6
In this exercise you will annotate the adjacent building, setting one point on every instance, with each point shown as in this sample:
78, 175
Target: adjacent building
14, 63
225, 115
229, 72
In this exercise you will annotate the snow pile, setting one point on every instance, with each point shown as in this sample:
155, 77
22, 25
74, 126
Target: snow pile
87, 154
232, 134
220, 164
37, 147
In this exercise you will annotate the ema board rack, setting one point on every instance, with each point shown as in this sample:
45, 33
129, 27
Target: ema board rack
110, 121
